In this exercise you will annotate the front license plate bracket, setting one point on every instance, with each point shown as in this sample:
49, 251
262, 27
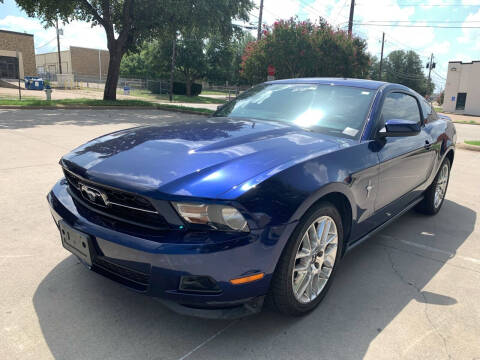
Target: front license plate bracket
76, 242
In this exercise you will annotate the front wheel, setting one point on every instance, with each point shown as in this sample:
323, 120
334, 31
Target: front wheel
309, 261
435, 194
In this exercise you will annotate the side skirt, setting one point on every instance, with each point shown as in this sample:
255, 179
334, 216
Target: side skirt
384, 225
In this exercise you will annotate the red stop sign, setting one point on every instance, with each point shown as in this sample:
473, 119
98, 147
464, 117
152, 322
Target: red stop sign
271, 70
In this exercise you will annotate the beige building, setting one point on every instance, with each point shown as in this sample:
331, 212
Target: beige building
462, 90
17, 55
77, 60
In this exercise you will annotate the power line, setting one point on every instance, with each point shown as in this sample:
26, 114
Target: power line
341, 10
440, 76
419, 26
428, 5
406, 3
48, 42
422, 21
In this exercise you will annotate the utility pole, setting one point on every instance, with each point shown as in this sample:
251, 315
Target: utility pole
172, 70
259, 31
350, 19
58, 46
381, 57
430, 67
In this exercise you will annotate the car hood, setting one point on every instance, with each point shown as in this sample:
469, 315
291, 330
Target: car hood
200, 158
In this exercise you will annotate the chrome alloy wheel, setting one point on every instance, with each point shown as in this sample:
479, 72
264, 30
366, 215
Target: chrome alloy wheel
441, 186
315, 259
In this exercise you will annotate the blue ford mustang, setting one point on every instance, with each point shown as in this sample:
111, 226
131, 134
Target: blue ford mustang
259, 201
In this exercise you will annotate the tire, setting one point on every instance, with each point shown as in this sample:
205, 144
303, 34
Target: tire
431, 205
283, 295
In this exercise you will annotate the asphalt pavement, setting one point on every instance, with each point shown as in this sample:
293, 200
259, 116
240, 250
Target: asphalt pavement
410, 292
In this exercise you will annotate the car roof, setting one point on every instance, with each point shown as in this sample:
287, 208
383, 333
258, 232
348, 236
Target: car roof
360, 83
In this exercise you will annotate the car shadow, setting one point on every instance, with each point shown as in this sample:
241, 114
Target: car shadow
83, 315
23, 119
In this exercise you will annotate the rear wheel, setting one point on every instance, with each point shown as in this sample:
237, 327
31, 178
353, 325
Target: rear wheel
435, 194
309, 261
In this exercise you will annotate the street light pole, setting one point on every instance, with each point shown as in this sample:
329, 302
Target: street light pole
18, 75
99, 65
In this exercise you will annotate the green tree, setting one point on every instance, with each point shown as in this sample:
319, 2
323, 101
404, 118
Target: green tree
441, 97
128, 23
219, 54
302, 49
406, 68
374, 71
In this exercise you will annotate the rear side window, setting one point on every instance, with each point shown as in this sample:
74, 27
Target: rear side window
428, 113
400, 106
427, 109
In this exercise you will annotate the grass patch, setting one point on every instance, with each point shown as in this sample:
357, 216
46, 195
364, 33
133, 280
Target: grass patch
473, 142
215, 92
177, 98
471, 122
184, 108
72, 103
438, 109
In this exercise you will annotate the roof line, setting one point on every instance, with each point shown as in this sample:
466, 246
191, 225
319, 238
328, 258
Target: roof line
15, 32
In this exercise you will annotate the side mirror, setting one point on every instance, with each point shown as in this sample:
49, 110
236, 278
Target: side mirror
220, 106
400, 127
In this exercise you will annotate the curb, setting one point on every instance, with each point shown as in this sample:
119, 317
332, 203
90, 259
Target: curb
468, 147
86, 107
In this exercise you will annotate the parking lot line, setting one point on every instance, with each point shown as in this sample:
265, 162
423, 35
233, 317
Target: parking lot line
208, 340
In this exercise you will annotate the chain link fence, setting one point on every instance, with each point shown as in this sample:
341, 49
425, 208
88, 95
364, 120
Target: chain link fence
137, 86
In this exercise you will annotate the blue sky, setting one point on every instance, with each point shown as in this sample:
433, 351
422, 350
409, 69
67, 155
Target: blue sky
446, 44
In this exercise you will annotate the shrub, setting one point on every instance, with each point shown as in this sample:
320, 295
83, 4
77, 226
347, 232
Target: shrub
180, 88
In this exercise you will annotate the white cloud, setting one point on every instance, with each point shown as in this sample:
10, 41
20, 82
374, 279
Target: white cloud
462, 57
76, 33
471, 37
438, 48
274, 10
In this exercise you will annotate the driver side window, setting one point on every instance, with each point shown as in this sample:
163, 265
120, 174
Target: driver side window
399, 106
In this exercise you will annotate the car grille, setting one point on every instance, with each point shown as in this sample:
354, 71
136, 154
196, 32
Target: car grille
132, 278
121, 205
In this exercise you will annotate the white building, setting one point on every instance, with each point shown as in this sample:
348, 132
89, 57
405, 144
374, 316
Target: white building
462, 90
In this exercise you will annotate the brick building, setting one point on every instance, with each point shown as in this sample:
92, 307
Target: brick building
77, 60
17, 55
462, 88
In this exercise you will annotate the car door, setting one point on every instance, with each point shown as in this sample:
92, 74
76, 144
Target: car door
406, 161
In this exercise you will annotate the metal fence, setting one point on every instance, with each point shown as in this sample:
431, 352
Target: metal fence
135, 84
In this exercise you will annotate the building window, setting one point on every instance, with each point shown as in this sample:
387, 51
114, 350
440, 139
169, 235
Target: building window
461, 99
8, 67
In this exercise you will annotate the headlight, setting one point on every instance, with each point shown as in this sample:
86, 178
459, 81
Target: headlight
220, 217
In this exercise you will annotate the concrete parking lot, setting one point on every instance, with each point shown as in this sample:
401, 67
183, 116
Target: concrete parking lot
410, 292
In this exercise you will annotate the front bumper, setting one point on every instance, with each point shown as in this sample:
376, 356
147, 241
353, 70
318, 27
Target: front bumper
152, 262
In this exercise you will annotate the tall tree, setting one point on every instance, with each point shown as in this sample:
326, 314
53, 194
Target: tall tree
219, 54
302, 49
127, 23
406, 68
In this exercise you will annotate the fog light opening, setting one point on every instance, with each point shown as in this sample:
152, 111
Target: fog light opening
198, 284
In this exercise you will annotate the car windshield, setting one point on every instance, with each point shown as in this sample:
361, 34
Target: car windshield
340, 110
